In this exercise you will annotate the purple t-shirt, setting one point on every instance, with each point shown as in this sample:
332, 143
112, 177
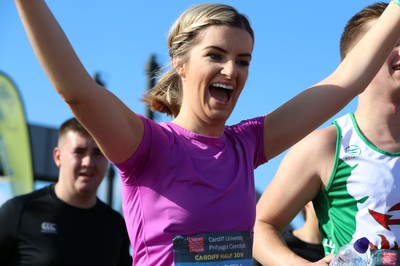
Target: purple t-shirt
182, 183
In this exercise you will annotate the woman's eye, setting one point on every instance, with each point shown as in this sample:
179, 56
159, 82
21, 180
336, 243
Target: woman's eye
214, 56
243, 62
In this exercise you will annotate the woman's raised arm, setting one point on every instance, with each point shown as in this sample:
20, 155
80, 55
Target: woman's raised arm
295, 119
117, 130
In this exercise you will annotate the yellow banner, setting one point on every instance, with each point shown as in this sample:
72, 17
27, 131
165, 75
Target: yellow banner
15, 147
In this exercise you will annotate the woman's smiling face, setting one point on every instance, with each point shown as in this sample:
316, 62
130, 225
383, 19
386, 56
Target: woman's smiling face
215, 73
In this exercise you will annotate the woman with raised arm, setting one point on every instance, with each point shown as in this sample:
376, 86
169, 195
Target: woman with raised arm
188, 185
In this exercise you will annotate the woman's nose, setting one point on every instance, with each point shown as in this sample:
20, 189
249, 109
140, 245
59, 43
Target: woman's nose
229, 69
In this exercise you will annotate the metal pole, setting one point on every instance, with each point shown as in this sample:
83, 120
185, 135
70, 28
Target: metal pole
110, 187
151, 69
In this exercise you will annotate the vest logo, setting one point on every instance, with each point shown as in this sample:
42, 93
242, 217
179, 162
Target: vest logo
49, 228
386, 219
329, 246
384, 245
353, 151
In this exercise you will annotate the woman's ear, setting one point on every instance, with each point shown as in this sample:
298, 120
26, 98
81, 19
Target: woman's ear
179, 67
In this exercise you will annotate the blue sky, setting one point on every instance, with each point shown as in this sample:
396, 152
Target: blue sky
296, 45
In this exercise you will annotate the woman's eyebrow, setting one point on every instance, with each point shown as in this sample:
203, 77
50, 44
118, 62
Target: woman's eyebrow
225, 51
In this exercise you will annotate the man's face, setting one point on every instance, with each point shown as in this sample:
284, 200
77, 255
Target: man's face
81, 163
389, 75
387, 80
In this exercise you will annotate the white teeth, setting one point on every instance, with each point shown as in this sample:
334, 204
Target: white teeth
219, 85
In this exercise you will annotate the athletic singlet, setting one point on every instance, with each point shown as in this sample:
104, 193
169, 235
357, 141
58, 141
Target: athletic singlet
362, 198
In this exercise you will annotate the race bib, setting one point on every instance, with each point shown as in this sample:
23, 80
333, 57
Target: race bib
214, 249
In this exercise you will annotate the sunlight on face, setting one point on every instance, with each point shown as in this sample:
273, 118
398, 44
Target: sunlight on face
215, 74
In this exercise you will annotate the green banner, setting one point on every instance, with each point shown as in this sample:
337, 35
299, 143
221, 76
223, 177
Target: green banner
15, 147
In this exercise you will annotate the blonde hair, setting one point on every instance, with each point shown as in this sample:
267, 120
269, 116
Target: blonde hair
166, 96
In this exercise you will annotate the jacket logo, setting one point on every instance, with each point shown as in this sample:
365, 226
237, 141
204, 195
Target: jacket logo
49, 228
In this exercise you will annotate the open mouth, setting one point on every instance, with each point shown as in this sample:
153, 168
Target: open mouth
221, 92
